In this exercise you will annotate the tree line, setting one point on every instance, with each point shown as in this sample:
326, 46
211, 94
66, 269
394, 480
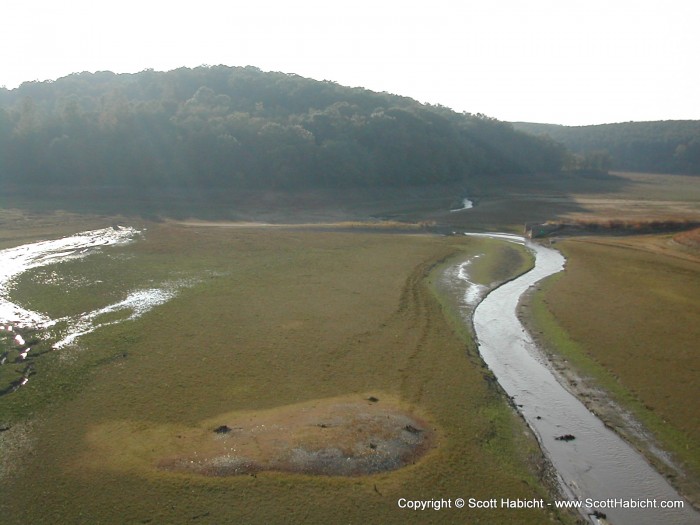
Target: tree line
671, 146
239, 127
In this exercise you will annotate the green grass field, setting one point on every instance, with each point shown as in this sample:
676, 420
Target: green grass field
269, 318
273, 317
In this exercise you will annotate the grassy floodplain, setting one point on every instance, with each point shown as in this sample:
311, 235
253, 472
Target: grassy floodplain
626, 315
270, 318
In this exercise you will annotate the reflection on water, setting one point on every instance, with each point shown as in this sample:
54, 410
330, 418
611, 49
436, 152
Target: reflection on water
14, 261
138, 303
594, 463
473, 292
14, 318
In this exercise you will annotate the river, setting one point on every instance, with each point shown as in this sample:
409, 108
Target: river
595, 466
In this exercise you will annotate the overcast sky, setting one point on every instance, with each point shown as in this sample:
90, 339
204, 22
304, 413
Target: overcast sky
558, 61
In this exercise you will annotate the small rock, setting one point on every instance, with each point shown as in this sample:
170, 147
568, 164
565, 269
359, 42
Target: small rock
412, 429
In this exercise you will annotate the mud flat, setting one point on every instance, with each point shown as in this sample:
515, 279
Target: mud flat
279, 322
595, 465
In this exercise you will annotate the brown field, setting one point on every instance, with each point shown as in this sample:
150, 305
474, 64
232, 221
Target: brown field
688, 242
509, 204
273, 319
626, 314
640, 196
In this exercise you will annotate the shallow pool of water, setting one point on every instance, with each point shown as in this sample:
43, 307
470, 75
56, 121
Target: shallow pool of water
64, 331
14, 261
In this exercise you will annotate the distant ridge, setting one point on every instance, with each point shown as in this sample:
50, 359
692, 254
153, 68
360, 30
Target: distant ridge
670, 146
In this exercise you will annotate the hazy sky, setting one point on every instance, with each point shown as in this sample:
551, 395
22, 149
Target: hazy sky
559, 61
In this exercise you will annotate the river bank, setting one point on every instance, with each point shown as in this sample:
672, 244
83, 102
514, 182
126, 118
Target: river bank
603, 405
629, 413
597, 463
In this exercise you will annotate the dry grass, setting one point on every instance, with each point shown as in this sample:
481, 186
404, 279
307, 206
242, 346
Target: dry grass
689, 240
510, 203
277, 318
631, 306
645, 196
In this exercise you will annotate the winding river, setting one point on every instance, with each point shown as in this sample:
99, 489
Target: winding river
594, 465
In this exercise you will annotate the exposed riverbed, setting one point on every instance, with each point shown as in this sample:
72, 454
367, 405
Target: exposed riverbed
594, 464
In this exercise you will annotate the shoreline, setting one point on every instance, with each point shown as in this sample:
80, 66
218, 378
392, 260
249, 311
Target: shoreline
614, 415
540, 464
600, 465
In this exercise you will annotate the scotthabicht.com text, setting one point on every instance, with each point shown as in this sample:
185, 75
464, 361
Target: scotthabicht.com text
508, 503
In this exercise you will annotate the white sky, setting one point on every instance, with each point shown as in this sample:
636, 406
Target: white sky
560, 61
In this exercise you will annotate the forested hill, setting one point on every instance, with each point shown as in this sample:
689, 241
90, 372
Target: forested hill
671, 146
231, 127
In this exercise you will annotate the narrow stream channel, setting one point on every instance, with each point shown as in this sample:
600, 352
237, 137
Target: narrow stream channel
595, 466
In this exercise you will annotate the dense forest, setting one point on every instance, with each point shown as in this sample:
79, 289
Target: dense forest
671, 146
239, 127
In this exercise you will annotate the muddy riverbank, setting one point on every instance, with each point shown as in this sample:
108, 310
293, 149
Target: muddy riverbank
594, 463
603, 404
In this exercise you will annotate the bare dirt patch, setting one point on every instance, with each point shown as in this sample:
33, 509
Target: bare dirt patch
339, 436
689, 239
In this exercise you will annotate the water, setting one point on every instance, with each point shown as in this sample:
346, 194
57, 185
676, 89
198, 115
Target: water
597, 465
137, 302
473, 292
466, 205
15, 261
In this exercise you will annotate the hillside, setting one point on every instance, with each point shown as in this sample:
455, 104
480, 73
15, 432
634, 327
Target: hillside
230, 127
671, 146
